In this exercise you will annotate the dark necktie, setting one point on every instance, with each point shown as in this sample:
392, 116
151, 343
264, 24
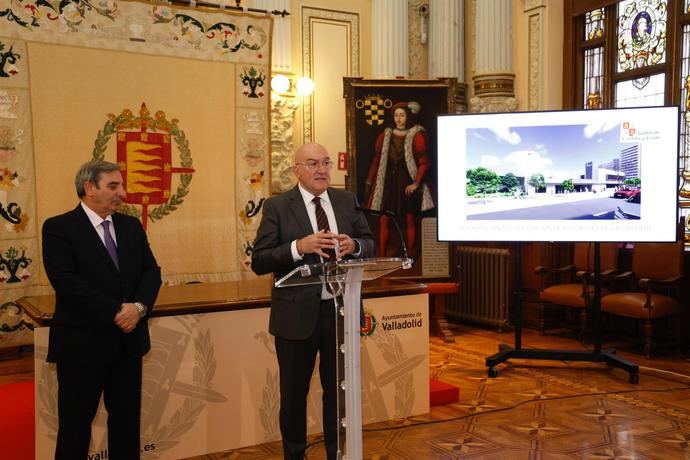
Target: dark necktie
322, 224
109, 243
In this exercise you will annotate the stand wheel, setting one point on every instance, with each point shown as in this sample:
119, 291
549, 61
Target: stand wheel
493, 373
634, 378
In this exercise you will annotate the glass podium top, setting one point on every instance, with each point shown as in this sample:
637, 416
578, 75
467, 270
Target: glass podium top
337, 271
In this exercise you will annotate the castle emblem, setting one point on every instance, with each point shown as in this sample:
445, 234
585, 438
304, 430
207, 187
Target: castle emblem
144, 154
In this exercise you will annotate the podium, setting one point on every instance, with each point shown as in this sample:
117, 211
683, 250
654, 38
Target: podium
344, 279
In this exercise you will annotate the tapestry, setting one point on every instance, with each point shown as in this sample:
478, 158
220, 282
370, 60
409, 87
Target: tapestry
177, 96
18, 242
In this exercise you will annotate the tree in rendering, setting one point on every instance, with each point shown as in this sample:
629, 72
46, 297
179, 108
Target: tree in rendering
510, 182
483, 180
537, 181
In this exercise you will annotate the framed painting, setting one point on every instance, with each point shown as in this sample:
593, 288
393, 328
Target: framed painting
391, 162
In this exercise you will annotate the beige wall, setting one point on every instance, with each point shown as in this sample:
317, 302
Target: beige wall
549, 50
328, 63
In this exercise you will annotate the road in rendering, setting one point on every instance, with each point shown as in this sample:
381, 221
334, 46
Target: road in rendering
599, 208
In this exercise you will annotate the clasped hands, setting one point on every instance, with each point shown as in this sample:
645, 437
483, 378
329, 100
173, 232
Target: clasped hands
127, 318
317, 242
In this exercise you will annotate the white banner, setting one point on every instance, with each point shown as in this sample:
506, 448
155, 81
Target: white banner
211, 380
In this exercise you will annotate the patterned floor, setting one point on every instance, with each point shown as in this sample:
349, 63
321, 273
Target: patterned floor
533, 410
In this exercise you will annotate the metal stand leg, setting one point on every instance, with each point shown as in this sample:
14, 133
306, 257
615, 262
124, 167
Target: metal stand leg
506, 352
348, 365
340, 373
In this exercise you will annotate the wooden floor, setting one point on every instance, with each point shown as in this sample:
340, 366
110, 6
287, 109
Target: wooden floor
532, 410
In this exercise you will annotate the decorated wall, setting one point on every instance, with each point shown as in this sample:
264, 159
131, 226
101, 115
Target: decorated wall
178, 97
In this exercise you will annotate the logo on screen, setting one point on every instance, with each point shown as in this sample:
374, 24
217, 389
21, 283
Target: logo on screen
628, 129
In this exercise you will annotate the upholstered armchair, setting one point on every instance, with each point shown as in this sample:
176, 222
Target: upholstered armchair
652, 290
572, 286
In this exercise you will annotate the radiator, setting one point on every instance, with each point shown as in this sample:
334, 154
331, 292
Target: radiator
483, 297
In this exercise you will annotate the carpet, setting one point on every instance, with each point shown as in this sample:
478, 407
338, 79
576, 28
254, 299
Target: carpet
17, 429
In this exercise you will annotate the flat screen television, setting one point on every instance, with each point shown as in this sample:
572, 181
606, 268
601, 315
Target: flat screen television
585, 175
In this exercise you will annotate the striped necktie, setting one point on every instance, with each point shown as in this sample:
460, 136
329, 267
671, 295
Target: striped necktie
322, 224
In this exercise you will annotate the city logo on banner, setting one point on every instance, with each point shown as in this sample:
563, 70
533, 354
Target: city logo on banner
370, 323
144, 155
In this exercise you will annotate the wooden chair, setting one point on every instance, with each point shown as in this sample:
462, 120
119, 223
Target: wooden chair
572, 286
653, 287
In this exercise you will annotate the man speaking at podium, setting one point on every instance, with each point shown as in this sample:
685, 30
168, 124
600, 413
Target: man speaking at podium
305, 226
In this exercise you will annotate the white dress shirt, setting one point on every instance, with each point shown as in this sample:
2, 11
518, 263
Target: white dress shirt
311, 212
97, 220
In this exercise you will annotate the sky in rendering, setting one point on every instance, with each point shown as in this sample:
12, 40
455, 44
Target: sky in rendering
558, 152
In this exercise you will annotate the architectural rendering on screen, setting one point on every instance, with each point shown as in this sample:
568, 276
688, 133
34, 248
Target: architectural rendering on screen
553, 172
574, 175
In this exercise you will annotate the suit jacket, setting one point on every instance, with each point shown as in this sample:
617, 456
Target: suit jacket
294, 310
89, 289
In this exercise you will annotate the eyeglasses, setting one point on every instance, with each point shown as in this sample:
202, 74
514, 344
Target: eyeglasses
313, 165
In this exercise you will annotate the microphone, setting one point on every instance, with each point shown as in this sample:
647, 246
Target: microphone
390, 214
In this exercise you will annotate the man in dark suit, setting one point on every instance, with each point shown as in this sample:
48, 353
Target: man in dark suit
303, 318
106, 281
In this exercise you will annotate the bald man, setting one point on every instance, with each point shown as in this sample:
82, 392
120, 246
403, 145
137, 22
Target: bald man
302, 318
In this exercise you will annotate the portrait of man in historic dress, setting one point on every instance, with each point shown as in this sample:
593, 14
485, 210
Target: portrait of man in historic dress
392, 140
641, 29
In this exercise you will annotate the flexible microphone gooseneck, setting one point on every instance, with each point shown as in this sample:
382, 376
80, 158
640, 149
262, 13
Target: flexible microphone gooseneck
390, 214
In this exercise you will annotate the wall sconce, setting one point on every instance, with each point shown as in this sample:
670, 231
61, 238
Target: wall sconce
423, 23
282, 84
305, 86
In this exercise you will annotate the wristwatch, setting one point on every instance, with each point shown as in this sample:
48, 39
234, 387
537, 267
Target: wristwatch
141, 308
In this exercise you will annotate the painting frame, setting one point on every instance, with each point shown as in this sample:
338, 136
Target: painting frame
369, 105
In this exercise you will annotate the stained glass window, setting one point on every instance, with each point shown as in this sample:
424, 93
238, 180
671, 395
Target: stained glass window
631, 93
594, 24
594, 78
684, 160
619, 58
641, 33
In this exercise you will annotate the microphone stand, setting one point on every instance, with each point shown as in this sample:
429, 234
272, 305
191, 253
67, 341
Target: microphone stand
391, 214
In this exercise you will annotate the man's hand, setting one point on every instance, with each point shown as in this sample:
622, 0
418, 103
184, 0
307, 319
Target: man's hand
409, 190
316, 243
127, 318
347, 245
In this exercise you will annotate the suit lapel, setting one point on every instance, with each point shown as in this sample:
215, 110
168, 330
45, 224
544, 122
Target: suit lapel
338, 210
300, 211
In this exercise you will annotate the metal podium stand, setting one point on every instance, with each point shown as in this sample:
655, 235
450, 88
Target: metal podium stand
345, 281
